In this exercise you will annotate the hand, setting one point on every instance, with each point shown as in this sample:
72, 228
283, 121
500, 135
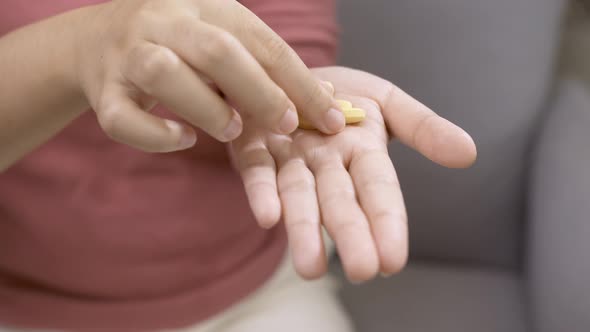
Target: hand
133, 54
346, 182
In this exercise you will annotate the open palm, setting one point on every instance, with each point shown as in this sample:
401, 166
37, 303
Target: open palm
346, 182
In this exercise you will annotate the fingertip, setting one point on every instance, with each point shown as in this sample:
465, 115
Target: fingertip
334, 121
360, 276
361, 268
465, 151
187, 137
268, 215
266, 222
288, 122
447, 144
266, 209
310, 267
233, 129
391, 235
394, 264
471, 150
307, 250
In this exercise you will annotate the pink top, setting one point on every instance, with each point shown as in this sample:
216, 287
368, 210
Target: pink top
95, 234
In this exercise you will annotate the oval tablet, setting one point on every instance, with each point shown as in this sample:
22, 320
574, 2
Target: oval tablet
352, 115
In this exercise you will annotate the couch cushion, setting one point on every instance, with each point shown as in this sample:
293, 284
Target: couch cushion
486, 65
559, 262
441, 298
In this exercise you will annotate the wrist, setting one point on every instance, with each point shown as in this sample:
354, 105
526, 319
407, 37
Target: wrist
83, 57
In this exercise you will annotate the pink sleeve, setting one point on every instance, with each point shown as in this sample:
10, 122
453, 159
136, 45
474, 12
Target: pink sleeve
309, 26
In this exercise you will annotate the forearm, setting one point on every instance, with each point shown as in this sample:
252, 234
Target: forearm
39, 93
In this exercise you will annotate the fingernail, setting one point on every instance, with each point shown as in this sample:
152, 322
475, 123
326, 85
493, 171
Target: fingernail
187, 139
385, 275
289, 122
233, 129
335, 121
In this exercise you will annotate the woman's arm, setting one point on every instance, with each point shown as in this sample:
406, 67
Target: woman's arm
38, 90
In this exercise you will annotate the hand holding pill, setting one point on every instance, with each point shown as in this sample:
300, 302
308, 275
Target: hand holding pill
141, 60
346, 183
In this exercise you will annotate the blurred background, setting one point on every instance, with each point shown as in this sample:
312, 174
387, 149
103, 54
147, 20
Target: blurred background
575, 56
504, 245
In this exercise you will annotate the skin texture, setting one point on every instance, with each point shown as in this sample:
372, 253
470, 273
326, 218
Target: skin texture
346, 182
123, 56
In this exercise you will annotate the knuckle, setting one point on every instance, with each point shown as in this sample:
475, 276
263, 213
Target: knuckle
391, 96
109, 118
145, 14
148, 13
319, 157
183, 27
150, 6
421, 127
380, 180
299, 223
258, 185
217, 47
279, 96
326, 160
302, 183
151, 64
391, 92
258, 159
276, 102
339, 197
312, 96
344, 226
386, 215
277, 52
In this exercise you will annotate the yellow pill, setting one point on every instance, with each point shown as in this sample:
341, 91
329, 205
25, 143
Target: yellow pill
303, 124
354, 115
343, 103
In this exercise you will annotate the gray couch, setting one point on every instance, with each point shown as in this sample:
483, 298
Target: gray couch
505, 245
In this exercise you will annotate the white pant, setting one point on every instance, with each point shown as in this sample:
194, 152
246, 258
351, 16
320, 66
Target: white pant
286, 303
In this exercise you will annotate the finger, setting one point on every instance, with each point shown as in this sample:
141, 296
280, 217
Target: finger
409, 120
221, 57
258, 171
302, 219
125, 122
345, 221
281, 63
423, 130
159, 72
381, 198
